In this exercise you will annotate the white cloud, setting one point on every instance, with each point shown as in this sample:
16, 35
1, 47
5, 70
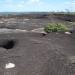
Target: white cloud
34, 0
8, 1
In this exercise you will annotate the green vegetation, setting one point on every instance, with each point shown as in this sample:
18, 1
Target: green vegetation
55, 27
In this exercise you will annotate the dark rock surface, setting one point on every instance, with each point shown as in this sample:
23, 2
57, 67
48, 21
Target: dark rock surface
34, 54
31, 52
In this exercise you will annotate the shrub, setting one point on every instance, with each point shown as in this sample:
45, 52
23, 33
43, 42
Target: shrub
55, 27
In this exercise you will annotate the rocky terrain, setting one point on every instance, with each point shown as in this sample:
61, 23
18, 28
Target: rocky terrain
25, 51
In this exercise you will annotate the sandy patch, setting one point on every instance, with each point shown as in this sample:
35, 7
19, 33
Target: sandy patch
5, 30
38, 30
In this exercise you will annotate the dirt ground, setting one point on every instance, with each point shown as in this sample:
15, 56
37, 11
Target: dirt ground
35, 54
29, 24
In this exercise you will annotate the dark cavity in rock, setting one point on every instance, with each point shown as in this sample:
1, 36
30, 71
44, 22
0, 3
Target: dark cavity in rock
8, 44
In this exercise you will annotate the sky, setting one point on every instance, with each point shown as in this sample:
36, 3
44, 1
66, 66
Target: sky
36, 5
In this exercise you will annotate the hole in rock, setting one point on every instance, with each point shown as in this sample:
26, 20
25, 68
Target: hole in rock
9, 44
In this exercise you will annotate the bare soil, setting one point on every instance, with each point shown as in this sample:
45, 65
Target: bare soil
35, 54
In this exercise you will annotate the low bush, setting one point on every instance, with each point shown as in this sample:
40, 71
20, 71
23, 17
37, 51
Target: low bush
55, 27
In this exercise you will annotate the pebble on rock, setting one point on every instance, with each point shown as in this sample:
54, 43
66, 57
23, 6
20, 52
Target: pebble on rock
67, 33
9, 65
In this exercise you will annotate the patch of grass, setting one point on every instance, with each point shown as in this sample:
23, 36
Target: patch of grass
55, 27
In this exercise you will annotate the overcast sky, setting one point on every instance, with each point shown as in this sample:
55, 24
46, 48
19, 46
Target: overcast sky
36, 5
